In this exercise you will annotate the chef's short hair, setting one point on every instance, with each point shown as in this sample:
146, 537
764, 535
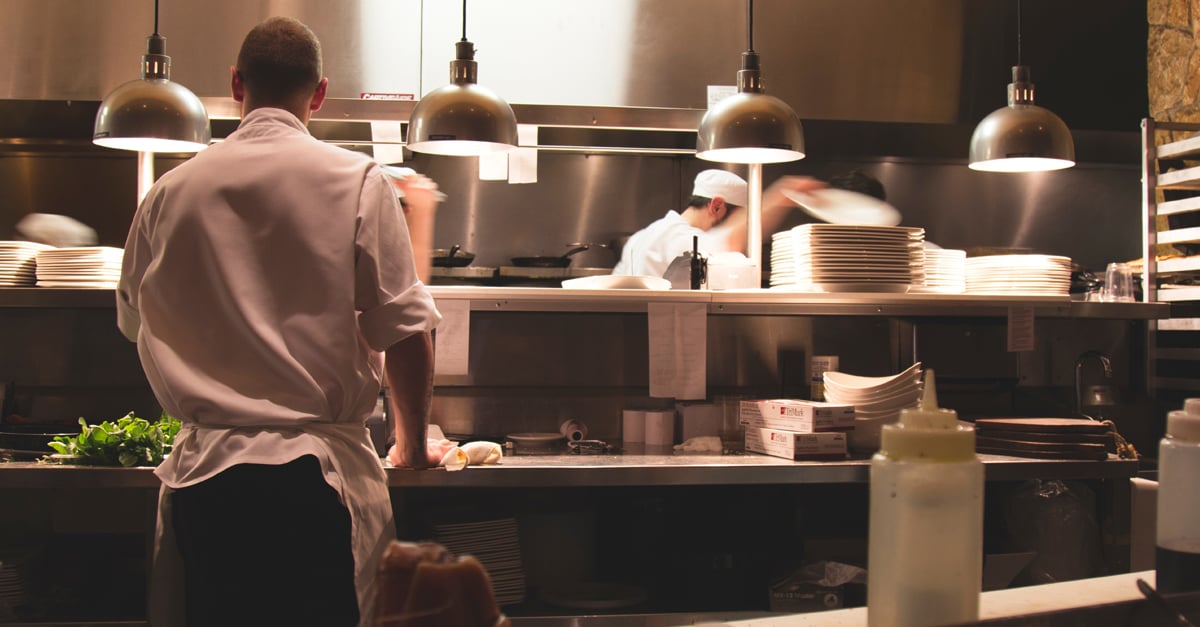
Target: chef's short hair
280, 59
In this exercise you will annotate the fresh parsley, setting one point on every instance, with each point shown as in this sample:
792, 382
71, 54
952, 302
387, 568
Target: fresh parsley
129, 441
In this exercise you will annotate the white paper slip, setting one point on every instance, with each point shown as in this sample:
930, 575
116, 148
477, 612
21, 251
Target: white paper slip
452, 345
678, 338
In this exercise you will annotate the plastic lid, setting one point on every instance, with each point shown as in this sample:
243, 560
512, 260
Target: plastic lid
928, 431
1185, 424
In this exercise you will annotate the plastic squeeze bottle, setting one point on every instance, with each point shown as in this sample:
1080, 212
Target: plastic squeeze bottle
925, 551
1177, 543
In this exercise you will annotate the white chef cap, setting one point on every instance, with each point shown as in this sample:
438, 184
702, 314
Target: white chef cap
727, 185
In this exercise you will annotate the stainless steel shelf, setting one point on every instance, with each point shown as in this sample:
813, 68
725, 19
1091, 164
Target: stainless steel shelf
743, 302
569, 470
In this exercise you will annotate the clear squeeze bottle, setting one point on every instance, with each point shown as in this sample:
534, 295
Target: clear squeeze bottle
1177, 543
925, 551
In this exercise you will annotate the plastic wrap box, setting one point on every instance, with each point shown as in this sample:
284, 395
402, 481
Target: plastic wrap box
793, 445
797, 415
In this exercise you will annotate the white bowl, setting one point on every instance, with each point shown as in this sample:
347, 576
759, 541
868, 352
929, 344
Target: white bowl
894, 402
878, 414
855, 382
894, 388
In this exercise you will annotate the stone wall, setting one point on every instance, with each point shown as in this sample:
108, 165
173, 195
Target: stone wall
1173, 60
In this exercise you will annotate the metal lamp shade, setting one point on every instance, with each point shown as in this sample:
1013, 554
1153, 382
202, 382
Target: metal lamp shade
1021, 138
462, 119
152, 115
750, 127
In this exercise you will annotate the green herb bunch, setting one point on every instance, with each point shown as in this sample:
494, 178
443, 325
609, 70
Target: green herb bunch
130, 441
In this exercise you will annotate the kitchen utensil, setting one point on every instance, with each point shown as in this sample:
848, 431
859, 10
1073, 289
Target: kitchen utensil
1170, 613
455, 257
840, 206
549, 262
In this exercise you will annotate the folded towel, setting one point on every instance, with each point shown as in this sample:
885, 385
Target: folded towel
483, 452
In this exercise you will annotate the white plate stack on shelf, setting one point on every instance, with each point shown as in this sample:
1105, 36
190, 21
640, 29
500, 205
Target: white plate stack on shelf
79, 267
496, 544
847, 258
1027, 275
18, 263
877, 400
945, 272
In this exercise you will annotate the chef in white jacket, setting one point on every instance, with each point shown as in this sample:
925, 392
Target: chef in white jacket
714, 216
264, 280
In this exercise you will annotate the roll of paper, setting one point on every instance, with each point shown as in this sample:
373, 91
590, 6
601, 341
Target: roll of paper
633, 426
660, 428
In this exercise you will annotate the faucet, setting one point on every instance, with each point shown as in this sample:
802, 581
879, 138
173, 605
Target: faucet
1105, 361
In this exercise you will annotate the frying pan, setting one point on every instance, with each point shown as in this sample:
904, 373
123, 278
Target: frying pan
452, 258
548, 261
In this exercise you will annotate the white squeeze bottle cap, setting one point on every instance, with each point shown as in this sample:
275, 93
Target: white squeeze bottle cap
928, 431
1185, 424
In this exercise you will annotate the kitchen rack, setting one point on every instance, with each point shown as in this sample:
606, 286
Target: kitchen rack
1171, 167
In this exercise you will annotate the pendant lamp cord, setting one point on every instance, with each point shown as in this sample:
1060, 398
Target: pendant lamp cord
156, 17
749, 25
464, 33
1018, 31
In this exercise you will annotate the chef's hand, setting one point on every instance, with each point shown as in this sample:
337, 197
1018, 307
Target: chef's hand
774, 195
418, 193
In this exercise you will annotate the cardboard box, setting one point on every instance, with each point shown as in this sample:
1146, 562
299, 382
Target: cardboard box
805, 597
793, 445
797, 415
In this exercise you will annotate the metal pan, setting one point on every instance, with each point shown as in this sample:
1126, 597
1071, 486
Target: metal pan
548, 262
454, 257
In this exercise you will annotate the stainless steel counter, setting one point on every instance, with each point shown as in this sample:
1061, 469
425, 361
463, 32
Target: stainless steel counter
571, 470
731, 302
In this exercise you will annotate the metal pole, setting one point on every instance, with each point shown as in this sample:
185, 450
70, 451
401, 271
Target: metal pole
145, 166
754, 181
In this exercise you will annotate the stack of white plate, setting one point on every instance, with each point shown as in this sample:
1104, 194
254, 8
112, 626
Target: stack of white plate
847, 258
18, 263
496, 545
1031, 275
877, 400
80, 267
945, 272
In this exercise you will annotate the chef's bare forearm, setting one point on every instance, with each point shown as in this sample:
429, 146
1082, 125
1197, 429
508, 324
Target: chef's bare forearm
408, 367
420, 231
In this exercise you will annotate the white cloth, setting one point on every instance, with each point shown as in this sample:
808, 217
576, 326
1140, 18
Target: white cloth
651, 250
262, 278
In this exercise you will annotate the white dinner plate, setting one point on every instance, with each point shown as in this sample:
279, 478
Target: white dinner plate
617, 282
840, 206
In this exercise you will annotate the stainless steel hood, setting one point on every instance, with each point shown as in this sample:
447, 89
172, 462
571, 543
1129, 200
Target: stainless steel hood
916, 61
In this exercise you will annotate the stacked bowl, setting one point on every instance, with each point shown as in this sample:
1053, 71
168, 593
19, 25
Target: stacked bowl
877, 400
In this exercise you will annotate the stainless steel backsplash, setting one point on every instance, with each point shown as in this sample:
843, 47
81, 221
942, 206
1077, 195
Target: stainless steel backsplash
890, 87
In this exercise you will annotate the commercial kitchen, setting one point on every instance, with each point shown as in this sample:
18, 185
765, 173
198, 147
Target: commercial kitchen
609, 96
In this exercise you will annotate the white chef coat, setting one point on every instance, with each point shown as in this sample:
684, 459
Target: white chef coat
261, 280
650, 251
